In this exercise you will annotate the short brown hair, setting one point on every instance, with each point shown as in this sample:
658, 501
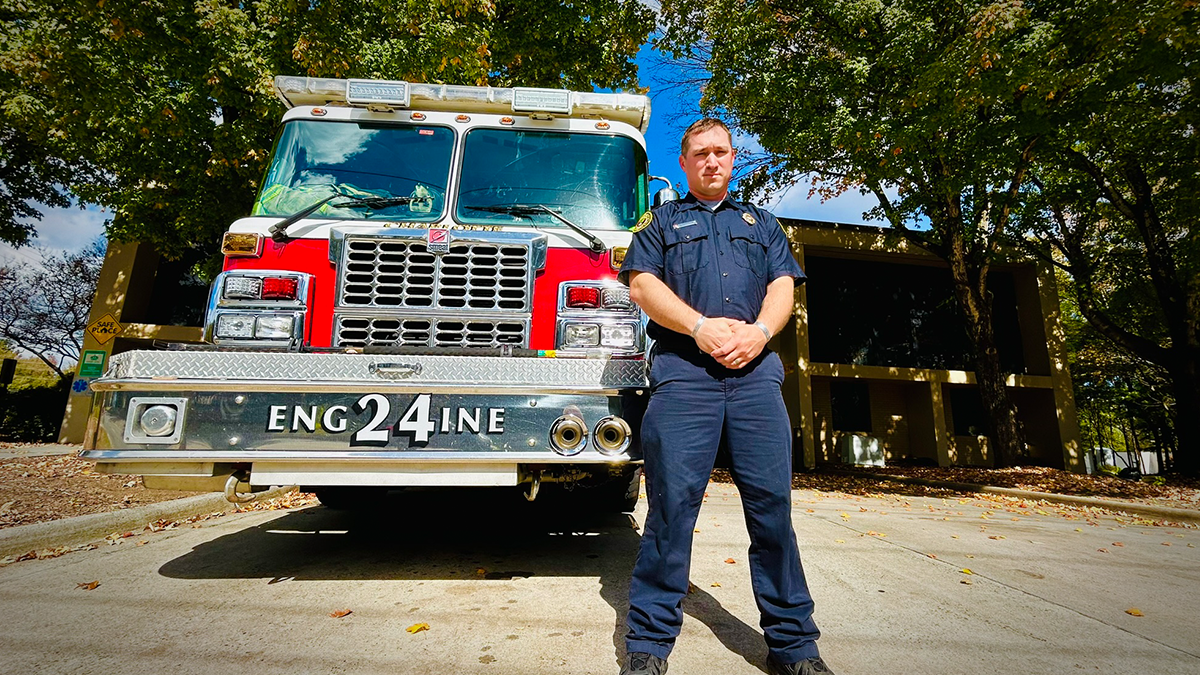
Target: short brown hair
700, 126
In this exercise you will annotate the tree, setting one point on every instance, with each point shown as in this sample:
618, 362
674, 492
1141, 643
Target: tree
912, 96
1118, 191
44, 308
167, 105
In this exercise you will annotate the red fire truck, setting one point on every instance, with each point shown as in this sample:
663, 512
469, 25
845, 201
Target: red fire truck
424, 294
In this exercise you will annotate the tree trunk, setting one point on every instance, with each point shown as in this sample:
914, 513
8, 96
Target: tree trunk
970, 289
1185, 384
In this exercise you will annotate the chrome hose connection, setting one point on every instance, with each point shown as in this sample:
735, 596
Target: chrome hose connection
568, 434
612, 436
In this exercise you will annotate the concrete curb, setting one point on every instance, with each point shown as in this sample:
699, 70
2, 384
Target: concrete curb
95, 526
1157, 512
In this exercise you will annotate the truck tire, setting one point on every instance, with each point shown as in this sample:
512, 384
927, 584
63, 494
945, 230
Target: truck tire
343, 498
618, 495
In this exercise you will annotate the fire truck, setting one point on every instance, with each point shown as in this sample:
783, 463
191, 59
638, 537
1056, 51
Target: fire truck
424, 294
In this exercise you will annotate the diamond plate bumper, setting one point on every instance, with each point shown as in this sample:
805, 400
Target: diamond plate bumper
265, 371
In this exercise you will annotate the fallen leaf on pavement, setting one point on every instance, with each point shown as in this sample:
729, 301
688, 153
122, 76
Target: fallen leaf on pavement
966, 581
691, 588
1102, 550
417, 627
88, 585
1117, 543
1134, 611
730, 561
996, 536
339, 613
966, 571
715, 585
839, 541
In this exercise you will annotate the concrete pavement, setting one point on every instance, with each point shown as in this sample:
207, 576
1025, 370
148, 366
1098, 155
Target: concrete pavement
506, 589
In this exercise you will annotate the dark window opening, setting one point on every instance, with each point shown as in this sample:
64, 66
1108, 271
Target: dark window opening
851, 403
865, 312
966, 406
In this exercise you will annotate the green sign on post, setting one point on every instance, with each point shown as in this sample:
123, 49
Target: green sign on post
91, 363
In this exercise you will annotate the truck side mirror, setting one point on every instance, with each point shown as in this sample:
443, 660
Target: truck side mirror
667, 194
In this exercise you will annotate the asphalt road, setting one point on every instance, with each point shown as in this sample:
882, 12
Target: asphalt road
508, 589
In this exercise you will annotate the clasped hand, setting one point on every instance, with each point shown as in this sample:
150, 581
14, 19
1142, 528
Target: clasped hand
731, 342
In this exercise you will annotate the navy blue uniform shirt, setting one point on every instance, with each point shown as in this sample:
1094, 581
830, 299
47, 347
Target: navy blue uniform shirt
718, 262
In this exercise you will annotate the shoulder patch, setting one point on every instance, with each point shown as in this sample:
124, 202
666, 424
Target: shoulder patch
643, 222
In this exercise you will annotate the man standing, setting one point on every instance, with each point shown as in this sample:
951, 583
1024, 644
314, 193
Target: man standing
715, 276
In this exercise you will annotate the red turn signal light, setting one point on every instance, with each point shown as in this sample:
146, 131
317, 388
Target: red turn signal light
583, 296
280, 288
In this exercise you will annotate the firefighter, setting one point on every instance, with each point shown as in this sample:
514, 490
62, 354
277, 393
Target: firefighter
715, 276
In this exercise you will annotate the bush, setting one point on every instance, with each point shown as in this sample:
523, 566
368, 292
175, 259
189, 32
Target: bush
1109, 470
33, 414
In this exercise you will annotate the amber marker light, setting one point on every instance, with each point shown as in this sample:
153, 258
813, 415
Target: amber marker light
506, 121
419, 117
602, 126
463, 118
241, 245
617, 257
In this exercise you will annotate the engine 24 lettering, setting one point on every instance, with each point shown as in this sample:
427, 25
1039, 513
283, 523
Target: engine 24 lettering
417, 423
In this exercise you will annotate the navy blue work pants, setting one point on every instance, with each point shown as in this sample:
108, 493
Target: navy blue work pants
692, 400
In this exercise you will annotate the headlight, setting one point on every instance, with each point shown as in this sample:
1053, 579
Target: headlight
581, 335
618, 335
235, 326
273, 327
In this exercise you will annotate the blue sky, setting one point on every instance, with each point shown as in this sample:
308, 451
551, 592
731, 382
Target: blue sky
672, 110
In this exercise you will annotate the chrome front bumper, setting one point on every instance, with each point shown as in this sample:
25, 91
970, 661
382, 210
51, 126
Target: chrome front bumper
361, 417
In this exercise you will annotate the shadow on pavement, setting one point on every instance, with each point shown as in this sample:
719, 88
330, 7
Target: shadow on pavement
447, 534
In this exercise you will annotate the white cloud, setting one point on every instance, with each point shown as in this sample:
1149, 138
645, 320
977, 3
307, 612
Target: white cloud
847, 207
61, 230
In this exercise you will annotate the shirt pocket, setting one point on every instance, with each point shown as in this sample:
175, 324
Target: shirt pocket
686, 249
749, 253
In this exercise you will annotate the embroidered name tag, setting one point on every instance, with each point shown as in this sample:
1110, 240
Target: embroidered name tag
682, 225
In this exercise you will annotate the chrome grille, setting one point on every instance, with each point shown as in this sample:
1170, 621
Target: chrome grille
402, 274
354, 331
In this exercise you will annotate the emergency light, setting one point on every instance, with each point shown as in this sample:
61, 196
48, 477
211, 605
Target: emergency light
632, 109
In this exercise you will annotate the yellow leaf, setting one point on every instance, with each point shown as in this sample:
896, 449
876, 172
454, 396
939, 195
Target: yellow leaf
840, 541
1134, 611
417, 627
967, 571
339, 613
88, 585
715, 585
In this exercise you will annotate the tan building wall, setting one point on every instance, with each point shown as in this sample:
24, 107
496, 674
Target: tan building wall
910, 408
124, 290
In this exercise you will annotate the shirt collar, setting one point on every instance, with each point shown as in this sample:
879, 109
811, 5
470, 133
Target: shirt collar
690, 201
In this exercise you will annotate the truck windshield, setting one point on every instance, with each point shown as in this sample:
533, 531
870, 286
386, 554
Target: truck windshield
597, 181
312, 159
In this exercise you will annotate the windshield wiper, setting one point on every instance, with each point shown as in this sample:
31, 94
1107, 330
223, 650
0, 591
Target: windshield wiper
529, 210
279, 230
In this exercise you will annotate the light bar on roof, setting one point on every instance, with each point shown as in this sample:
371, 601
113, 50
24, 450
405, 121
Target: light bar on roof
631, 109
390, 93
526, 99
